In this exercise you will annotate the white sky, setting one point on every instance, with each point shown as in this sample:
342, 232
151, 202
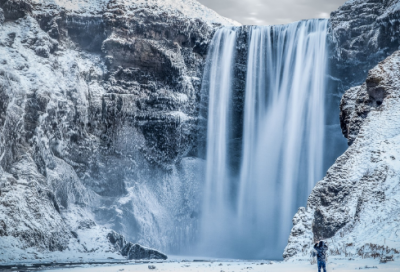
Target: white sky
267, 12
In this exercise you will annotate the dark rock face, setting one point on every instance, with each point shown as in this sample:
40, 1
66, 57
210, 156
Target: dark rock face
358, 101
324, 227
364, 32
354, 108
15, 9
98, 116
137, 252
117, 240
133, 251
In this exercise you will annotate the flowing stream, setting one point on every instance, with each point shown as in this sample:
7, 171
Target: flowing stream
249, 205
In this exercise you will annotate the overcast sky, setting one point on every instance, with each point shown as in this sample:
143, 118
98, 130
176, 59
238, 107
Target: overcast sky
267, 12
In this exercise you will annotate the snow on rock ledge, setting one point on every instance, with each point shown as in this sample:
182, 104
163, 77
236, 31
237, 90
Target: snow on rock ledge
356, 207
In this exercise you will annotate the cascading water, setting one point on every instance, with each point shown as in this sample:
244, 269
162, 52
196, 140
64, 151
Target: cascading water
219, 86
248, 212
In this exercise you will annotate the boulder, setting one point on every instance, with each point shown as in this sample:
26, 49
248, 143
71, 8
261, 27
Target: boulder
138, 252
353, 206
117, 240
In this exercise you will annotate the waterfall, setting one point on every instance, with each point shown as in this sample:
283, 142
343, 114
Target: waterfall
248, 211
219, 86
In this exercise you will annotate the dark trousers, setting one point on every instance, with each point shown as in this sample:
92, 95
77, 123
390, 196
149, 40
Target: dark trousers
321, 264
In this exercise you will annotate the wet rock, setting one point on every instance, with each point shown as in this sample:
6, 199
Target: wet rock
15, 9
354, 108
138, 252
117, 240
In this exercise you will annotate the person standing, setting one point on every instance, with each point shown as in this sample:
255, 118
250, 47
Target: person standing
321, 248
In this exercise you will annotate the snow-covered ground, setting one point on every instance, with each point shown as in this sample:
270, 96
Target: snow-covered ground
340, 264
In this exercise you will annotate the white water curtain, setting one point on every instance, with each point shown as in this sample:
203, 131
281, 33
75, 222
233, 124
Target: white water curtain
283, 135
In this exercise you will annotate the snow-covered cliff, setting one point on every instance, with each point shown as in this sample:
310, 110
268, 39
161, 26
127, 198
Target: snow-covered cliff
355, 208
98, 117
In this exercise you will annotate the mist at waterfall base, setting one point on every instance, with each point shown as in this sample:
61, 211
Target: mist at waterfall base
265, 146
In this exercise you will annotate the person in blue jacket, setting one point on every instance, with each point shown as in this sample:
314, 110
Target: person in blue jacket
321, 248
